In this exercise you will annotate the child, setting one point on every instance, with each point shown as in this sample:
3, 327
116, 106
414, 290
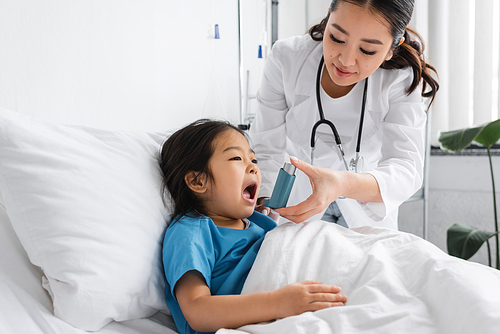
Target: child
213, 179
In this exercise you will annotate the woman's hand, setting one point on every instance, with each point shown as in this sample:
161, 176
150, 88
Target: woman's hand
306, 296
327, 186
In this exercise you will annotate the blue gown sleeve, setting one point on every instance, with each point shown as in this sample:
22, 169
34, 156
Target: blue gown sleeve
184, 249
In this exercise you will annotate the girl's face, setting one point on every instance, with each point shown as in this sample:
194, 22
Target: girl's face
355, 44
233, 192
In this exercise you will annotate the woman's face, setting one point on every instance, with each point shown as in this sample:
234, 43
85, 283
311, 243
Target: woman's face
355, 44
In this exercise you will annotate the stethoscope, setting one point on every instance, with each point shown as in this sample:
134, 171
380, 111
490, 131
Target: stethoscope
356, 164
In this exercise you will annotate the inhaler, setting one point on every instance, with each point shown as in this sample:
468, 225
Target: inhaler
282, 187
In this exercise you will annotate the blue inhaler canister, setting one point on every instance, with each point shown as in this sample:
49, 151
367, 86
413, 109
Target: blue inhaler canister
282, 187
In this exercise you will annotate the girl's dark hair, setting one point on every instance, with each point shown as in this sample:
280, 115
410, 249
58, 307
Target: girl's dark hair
398, 14
189, 149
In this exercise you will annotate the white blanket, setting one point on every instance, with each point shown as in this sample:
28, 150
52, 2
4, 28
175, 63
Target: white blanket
395, 282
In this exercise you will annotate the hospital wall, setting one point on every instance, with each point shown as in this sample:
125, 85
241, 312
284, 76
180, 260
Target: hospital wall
460, 192
120, 64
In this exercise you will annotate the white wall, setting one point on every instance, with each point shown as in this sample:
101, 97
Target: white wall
255, 20
459, 192
295, 17
120, 64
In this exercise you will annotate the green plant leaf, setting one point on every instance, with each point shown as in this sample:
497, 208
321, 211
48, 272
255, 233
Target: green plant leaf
456, 140
465, 241
490, 134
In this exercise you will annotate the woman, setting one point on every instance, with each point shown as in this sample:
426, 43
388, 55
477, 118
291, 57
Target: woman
363, 69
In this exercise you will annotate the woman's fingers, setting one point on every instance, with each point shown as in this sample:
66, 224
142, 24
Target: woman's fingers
312, 203
302, 211
300, 218
308, 169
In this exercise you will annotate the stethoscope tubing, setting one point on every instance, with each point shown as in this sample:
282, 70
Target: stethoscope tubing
330, 124
361, 117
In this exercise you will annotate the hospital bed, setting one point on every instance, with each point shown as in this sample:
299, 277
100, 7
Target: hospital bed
81, 224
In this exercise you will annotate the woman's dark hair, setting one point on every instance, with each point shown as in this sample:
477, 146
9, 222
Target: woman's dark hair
398, 14
189, 149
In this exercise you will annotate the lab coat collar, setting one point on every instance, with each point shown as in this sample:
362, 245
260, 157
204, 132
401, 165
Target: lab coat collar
305, 86
306, 80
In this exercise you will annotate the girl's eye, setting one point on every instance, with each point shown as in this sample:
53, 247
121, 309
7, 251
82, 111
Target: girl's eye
368, 53
336, 40
236, 158
254, 161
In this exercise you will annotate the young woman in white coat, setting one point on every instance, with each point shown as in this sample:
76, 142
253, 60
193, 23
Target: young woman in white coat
359, 74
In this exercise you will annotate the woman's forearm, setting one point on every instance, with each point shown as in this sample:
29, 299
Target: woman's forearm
361, 187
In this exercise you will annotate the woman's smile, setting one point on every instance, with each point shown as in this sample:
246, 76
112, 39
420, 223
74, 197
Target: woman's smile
342, 73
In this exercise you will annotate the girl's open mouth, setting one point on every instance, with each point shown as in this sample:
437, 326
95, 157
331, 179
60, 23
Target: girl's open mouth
250, 191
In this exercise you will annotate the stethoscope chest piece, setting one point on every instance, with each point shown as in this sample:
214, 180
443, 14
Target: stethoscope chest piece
356, 164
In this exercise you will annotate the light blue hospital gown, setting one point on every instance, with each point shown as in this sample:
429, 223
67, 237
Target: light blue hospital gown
222, 255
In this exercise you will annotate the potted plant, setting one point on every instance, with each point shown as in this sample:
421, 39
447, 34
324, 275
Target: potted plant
465, 241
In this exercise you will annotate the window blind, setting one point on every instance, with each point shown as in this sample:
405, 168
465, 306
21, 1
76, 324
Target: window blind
462, 40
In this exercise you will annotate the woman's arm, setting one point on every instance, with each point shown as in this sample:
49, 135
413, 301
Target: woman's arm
399, 172
327, 186
207, 313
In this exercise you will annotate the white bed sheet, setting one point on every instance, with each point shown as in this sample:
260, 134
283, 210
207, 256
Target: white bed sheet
25, 307
395, 282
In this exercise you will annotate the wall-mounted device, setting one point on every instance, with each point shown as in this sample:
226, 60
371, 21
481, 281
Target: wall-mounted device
282, 187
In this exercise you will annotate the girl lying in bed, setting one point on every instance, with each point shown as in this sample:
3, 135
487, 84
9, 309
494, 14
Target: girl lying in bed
213, 180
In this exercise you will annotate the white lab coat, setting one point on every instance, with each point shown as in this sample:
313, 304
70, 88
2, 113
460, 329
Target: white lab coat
392, 141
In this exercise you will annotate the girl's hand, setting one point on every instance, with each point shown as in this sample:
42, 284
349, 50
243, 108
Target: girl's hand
327, 186
306, 296
265, 210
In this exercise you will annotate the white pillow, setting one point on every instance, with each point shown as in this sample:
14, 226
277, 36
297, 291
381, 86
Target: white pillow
86, 205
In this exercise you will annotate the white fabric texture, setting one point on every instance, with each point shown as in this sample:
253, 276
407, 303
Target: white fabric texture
392, 141
86, 205
395, 282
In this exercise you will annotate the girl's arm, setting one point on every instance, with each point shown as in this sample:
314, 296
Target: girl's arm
207, 313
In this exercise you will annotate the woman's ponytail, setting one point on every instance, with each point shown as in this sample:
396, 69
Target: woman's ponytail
411, 54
